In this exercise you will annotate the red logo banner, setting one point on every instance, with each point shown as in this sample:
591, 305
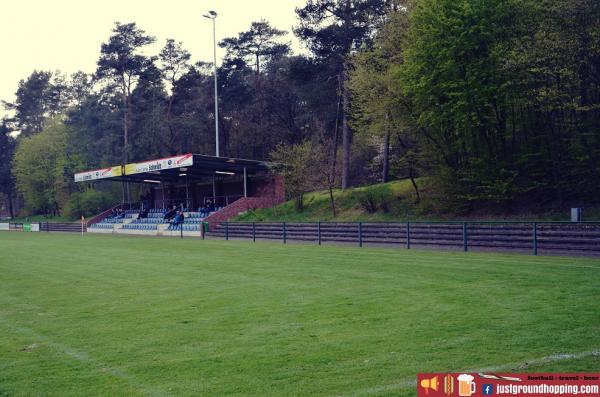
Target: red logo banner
504, 384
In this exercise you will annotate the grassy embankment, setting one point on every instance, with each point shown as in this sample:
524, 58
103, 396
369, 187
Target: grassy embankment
396, 201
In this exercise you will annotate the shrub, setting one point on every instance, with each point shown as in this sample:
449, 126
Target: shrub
374, 198
87, 203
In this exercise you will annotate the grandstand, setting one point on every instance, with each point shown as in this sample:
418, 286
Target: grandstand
206, 189
154, 223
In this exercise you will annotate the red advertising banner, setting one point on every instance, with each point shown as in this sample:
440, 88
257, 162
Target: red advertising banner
503, 384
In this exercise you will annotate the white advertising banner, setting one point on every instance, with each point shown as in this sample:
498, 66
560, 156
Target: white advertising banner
184, 160
4, 226
98, 174
35, 227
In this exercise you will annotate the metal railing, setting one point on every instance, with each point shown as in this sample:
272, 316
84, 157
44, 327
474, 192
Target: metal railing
222, 201
219, 201
523, 236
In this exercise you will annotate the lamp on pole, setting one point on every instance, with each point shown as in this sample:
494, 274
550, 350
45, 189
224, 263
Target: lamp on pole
213, 15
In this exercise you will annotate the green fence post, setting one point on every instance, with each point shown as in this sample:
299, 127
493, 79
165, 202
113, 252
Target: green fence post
319, 232
535, 250
465, 243
226, 230
407, 235
284, 236
203, 231
253, 232
181, 230
360, 234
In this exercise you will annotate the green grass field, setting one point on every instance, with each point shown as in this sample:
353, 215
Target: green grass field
115, 316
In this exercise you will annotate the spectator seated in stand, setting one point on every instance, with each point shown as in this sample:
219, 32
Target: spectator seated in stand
208, 208
143, 214
119, 213
170, 214
178, 220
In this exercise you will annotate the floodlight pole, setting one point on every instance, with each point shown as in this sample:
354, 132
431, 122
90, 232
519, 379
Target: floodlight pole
213, 15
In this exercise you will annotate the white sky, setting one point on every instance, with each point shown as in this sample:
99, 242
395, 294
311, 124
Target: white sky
66, 34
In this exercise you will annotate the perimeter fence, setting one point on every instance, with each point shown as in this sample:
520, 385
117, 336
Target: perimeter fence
533, 237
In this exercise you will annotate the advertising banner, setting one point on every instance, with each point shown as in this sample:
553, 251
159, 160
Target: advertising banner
35, 227
98, 174
184, 160
4, 226
502, 384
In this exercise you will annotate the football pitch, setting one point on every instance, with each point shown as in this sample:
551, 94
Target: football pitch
135, 316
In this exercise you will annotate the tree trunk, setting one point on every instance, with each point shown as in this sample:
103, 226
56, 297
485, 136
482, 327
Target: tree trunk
331, 200
125, 121
11, 209
414, 183
556, 156
386, 151
334, 142
172, 131
334, 148
346, 134
125, 154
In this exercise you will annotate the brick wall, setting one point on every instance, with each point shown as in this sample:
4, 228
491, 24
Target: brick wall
269, 193
237, 207
272, 187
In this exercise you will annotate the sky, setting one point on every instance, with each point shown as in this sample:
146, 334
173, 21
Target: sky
66, 34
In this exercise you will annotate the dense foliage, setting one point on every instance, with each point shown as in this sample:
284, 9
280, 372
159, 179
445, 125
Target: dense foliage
496, 101
87, 203
43, 169
501, 97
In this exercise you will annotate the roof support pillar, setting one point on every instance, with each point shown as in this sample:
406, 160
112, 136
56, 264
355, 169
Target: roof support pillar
245, 183
214, 191
187, 195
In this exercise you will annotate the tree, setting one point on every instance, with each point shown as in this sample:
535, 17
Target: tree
378, 106
149, 127
174, 64
559, 64
121, 63
193, 110
7, 147
97, 128
80, 88
43, 169
454, 75
41, 95
304, 167
332, 29
257, 45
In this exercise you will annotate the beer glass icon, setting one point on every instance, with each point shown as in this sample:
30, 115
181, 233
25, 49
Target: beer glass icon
466, 385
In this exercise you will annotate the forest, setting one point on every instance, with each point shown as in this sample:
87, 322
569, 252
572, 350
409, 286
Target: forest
496, 103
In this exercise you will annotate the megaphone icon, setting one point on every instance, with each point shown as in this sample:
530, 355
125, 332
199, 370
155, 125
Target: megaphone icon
431, 383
